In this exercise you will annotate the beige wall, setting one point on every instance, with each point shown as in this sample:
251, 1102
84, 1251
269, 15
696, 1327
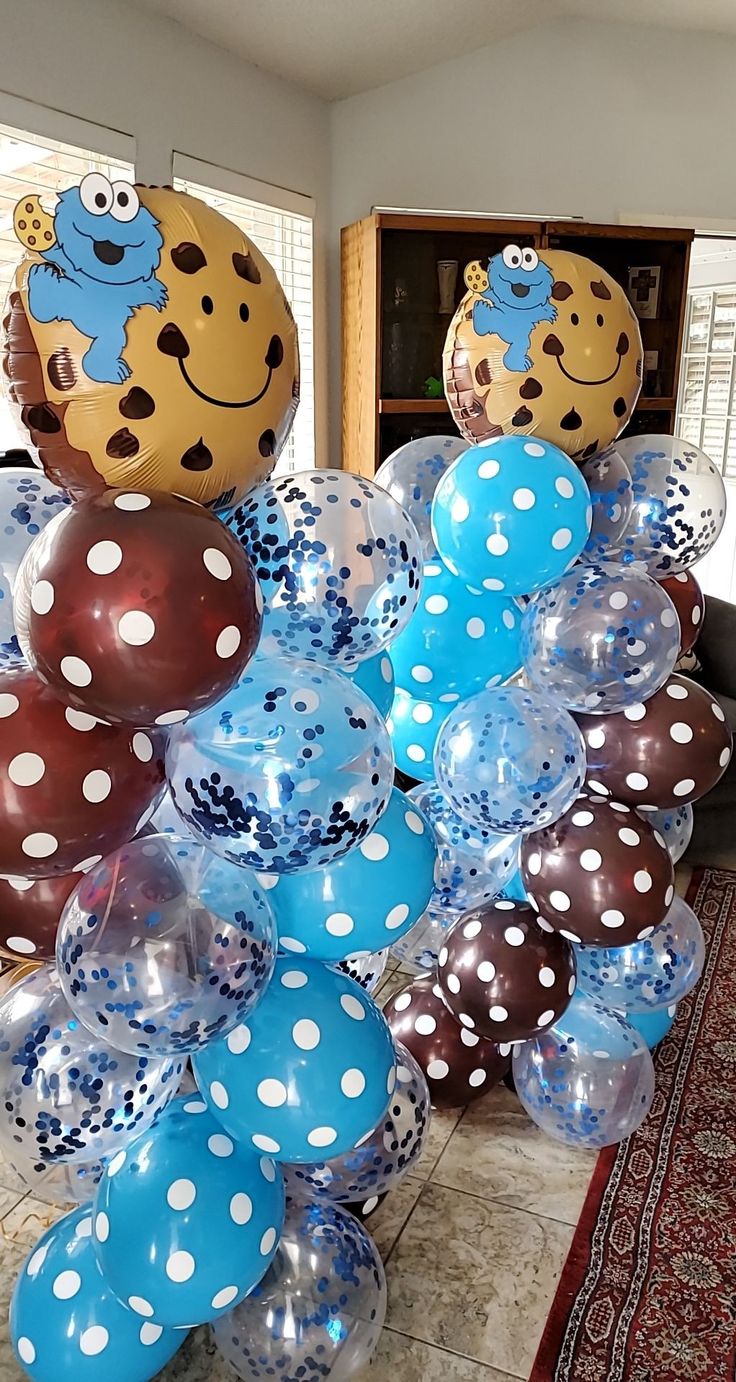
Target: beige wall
119, 66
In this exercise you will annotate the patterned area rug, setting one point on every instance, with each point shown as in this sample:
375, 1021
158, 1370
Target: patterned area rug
648, 1292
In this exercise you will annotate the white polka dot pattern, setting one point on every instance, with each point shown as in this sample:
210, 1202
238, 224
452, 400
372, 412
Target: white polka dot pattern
458, 1065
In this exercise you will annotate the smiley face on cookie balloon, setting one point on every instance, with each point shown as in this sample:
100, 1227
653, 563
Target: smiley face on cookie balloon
544, 345
149, 342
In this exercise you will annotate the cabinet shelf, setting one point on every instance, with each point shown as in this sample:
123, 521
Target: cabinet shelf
413, 405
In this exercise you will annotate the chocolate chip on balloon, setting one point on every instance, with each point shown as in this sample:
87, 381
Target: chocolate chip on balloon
600, 874
504, 974
662, 752
138, 607
459, 1065
71, 788
689, 601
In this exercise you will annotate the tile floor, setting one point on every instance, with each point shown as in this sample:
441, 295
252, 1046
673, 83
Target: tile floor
473, 1242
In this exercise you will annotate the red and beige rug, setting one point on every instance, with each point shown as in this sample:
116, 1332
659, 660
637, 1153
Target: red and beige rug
648, 1292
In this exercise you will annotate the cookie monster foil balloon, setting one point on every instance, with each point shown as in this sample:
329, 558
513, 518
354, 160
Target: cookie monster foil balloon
149, 342
543, 345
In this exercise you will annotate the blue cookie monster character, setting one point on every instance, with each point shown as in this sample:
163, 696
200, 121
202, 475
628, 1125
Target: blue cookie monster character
516, 300
100, 269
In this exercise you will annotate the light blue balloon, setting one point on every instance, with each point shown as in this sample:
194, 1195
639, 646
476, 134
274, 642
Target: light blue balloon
601, 639
589, 1080
662, 502
164, 946
414, 725
290, 770
650, 974
375, 676
411, 474
514, 890
654, 1026
511, 515
458, 640
28, 502
66, 1325
312, 1070
318, 1311
675, 826
367, 899
187, 1221
339, 565
510, 760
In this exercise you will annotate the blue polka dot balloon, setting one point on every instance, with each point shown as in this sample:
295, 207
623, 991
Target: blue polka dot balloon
589, 1080
69, 1095
163, 946
28, 502
319, 1310
383, 1159
649, 974
411, 474
603, 638
375, 676
654, 1026
312, 1069
66, 1325
658, 501
186, 1221
414, 725
365, 900
458, 639
338, 562
290, 770
675, 826
510, 760
512, 515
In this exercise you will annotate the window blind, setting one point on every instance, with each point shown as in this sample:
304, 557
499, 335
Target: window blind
706, 407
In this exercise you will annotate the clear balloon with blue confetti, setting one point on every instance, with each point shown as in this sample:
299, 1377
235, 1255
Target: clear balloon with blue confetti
603, 638
654, 1026
290, 770
649, 974
375, 676
69, 1095
366, 970
28, 502
66, 1324
366, 900
414, 725
412, 473
166, 1199
512, 515
319, 1310
658, 501
589, 1080
675, 826
458, 640
382, 1160
338, 561
311, 1070
164, 946
510, 760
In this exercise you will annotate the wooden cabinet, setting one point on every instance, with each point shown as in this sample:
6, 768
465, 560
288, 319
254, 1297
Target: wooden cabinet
402, 277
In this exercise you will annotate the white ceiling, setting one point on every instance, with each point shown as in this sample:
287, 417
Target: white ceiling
337, 48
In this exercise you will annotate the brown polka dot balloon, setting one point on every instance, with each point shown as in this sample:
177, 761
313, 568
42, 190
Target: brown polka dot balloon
458, 1064
505, 973
664, 752
71, 789
601, 874
138, 607
689, 601
29, 915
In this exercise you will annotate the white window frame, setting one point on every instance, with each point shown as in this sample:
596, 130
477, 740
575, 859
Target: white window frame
46, 123
236, 184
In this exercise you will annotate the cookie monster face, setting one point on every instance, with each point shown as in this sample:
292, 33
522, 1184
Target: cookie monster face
517, 278
105, 233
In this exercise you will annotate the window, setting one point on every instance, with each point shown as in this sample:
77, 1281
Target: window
707, 403
31, 164
283, 233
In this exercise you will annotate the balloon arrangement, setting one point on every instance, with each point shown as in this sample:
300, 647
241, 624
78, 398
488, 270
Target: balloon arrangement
557, 752
204, 856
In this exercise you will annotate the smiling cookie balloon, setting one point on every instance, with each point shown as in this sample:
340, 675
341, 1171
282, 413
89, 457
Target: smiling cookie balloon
544, 345
148, 343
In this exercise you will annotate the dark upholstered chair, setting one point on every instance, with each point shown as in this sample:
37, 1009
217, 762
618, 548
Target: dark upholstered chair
714, 835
